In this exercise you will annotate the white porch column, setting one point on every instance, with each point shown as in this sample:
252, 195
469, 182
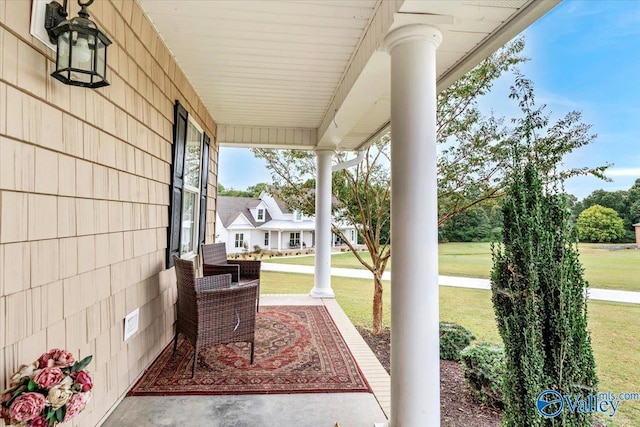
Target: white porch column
279, 240
322, 278
415, 361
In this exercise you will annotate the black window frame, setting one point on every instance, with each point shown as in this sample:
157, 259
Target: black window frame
176, 188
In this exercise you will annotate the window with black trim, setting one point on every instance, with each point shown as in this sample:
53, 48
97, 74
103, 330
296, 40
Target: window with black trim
191, 195
260, 214
266, 239
190, 173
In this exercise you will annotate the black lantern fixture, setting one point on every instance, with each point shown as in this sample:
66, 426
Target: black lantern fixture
81, 59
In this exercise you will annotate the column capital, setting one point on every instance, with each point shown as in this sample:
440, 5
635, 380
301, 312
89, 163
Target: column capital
324, 150
412, 32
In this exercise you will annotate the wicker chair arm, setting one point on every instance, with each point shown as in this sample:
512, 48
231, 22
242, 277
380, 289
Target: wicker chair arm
217, 269
206, 283
249, 269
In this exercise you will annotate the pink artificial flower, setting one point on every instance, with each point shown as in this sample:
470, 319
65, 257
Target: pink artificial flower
48, 377
4, 414
39, 421
27, 406
75, 405
84, 380
56, 357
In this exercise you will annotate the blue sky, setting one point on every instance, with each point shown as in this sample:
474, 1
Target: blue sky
585, 57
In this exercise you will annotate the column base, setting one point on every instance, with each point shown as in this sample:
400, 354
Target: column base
322, 293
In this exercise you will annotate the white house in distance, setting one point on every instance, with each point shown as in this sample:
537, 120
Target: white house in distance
245, 222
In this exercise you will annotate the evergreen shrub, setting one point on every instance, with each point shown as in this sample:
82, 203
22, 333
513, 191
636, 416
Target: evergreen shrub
453, 339
483, 370
538, 297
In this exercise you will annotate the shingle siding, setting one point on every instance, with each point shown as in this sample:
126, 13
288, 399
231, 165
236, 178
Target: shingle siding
84, 197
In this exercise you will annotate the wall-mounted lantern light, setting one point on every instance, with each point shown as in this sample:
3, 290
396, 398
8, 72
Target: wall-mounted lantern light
81, 59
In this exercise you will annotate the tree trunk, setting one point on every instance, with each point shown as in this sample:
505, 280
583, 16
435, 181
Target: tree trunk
376, 328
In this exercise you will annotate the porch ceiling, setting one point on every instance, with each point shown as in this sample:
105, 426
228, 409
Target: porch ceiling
307, 74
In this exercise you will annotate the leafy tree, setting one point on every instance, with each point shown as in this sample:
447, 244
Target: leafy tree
634, 212
251, 191
538, 288
361, 197
474, 155
472, 166
633, 201
481, 223
616, 200
625, 203
471, 225
259, 188
223, 191
600, 224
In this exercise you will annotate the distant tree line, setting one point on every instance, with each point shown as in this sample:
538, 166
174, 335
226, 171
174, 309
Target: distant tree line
602, 216
251, 191
625, 203
482, 223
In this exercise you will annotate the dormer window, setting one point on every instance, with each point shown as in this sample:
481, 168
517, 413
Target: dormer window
298, 216
260, 214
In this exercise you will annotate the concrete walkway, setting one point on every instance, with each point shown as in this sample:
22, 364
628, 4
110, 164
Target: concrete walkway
459, 282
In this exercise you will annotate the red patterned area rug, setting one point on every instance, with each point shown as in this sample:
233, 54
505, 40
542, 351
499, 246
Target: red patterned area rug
298, 349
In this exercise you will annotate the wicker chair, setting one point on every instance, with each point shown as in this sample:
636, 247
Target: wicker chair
214, 261
210, 311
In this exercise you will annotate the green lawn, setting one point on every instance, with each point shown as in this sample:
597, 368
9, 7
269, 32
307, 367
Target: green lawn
342, 260
603, 268
607, 269
614, 327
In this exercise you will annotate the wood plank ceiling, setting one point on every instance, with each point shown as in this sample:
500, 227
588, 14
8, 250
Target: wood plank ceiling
280, 73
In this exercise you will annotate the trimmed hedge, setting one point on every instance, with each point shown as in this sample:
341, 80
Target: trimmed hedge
453, 339
484, 368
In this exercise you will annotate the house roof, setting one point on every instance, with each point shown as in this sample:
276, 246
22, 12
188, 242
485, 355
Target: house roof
229, 208
283, 207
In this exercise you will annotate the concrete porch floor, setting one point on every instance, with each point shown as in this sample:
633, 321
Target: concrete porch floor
282, 410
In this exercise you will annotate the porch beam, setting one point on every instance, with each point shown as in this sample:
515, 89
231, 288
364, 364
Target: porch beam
415, 361
340, 116
322, 276
231, 135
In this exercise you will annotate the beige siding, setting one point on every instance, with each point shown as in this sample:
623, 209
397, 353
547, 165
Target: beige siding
84, 200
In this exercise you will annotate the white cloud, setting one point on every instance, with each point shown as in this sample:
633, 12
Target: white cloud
623, 172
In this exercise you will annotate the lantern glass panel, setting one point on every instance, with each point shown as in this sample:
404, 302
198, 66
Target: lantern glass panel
101, 63
63, 51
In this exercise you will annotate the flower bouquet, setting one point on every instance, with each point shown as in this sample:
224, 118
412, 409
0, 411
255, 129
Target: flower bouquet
51, 390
